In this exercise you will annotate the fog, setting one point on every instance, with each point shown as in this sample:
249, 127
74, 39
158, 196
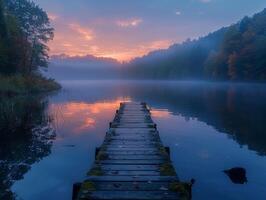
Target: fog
83, 68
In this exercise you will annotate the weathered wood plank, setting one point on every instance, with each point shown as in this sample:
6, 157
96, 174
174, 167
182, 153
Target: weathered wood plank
130, 173
133, 162
134, 152
130, 149
130, 167
134, 139
137, 135
131, 195
133, 130
111, 145
132, 186
119, 144
133, 126
132, 178
135, 157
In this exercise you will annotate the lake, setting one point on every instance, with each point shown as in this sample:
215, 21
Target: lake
49, 141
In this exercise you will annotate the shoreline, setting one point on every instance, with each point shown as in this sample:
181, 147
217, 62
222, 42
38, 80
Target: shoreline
25, 85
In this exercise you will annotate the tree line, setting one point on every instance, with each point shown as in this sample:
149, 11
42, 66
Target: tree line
24, 31
237, 52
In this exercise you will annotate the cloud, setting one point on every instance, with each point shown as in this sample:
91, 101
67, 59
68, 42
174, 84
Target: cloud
178, 13
129, 23
128, 53
66, 45
158, 44
72, 38
75, 39
147, 47
52, 16
86, 33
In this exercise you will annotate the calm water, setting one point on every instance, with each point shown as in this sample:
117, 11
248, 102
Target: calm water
209, 127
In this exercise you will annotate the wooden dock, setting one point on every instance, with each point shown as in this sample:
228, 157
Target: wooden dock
132, 163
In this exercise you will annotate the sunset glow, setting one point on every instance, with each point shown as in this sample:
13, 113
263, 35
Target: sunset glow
127, 29
74, 39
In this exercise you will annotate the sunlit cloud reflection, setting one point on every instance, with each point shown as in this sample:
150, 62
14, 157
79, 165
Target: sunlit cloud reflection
161, 113
80, 117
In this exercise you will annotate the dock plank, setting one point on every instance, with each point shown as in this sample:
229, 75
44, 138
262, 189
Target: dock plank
132, 195
129, 163
132, 186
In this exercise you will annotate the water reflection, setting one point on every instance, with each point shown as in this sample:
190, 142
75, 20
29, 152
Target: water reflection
161, 113
205, 124
238, 110
25, 138
79, 117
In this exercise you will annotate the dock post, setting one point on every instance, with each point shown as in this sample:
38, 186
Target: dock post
76, 189
97, 149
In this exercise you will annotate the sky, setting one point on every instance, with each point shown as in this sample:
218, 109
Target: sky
125, 29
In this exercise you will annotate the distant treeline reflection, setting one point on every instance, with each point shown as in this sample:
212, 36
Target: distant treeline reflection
237, 110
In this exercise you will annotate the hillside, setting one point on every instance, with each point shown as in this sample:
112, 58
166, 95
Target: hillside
237, 52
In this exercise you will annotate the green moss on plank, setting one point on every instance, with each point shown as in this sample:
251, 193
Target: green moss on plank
102, 156
87, 186
166, 169
184, 189
104, 147
95, 171
163, 151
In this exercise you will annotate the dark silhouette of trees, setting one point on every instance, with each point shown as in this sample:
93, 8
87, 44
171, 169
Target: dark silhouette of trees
3, 40
243, 50
24, 31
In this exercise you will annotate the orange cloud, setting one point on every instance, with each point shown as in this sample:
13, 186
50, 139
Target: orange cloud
158, 44
129, 22
127, 54
74, 46
84, 32
75, 39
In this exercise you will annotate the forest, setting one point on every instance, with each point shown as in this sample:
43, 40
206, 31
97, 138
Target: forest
24, 33
237, 52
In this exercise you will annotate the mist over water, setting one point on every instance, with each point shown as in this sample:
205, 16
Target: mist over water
83, 68
209, 127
